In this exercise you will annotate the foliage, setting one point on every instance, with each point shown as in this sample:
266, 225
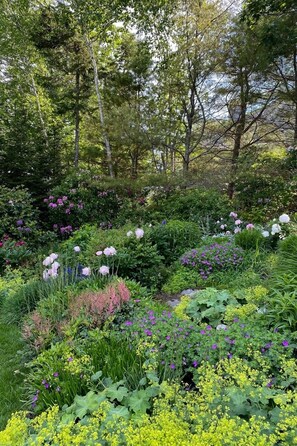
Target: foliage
250, 239
216, 257
17, 213
173, 237
139, 260
196, 205
209, 305
13, 253
180, 280
282, 309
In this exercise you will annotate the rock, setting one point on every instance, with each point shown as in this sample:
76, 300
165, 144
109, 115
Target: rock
173, 303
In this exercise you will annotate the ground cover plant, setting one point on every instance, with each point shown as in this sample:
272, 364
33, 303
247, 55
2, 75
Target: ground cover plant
108, 363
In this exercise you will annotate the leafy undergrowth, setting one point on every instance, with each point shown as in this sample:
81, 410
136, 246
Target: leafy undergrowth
10, 380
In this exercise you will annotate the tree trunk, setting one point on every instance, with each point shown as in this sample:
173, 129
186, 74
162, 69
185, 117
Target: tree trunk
77, 117
100, 106
295, 96
44, 131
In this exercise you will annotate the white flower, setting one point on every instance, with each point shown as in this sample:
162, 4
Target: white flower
52, 273
45, 274
238, 222
284, 218
129, 233
228, 233
53, 256
55, 267
222, 226
104, 270
47, 261
236, 230
275, 229
265, 233
99, 253
111, 251
86, 271
76, 248
139, 233
221, 327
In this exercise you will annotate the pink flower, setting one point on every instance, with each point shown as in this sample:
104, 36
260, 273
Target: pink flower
53, 256
222, 226
238, 222
111, 251
55, 267
233, 215
86, 271
236, 230
99, 253
104, 270
47, 261
250, 226
139, 233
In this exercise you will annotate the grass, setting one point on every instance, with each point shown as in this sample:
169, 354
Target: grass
10, 382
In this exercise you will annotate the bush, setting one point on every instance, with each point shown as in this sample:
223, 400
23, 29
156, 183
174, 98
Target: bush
172, 238
180, 280
139, 260
209, 259
17, 213
200, 206
250, 239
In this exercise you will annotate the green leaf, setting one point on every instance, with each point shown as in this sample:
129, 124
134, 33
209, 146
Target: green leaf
139, 401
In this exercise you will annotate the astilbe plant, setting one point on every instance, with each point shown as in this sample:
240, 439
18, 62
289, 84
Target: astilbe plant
97, 306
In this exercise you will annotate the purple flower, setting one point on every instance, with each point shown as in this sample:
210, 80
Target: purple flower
172, 366
167, 338
229, 356
19, 222
195, 364
58, 389
148, 332
56, 374
70, 359
285, 343
214, 346
202, 332
128, 323
209, 327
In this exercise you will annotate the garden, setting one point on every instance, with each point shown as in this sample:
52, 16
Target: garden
161, 315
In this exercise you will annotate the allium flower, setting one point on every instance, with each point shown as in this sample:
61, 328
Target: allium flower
238, 222
86, 271
111, 251
236, 230
19, 222
129, 233
47, 261
99, 253
139, 233
222, 226
233, 215
55, 267
76, 249
284, 218
45, 274
53, 256
265, 233
250, 226
104, 270
275, 229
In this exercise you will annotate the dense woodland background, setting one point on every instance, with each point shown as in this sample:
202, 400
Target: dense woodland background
200, 89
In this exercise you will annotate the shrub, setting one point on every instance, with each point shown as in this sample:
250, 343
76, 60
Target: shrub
180, 280
250, 239
200, 206
209, 259
13, 253
173, 237
139, 260
17, 213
